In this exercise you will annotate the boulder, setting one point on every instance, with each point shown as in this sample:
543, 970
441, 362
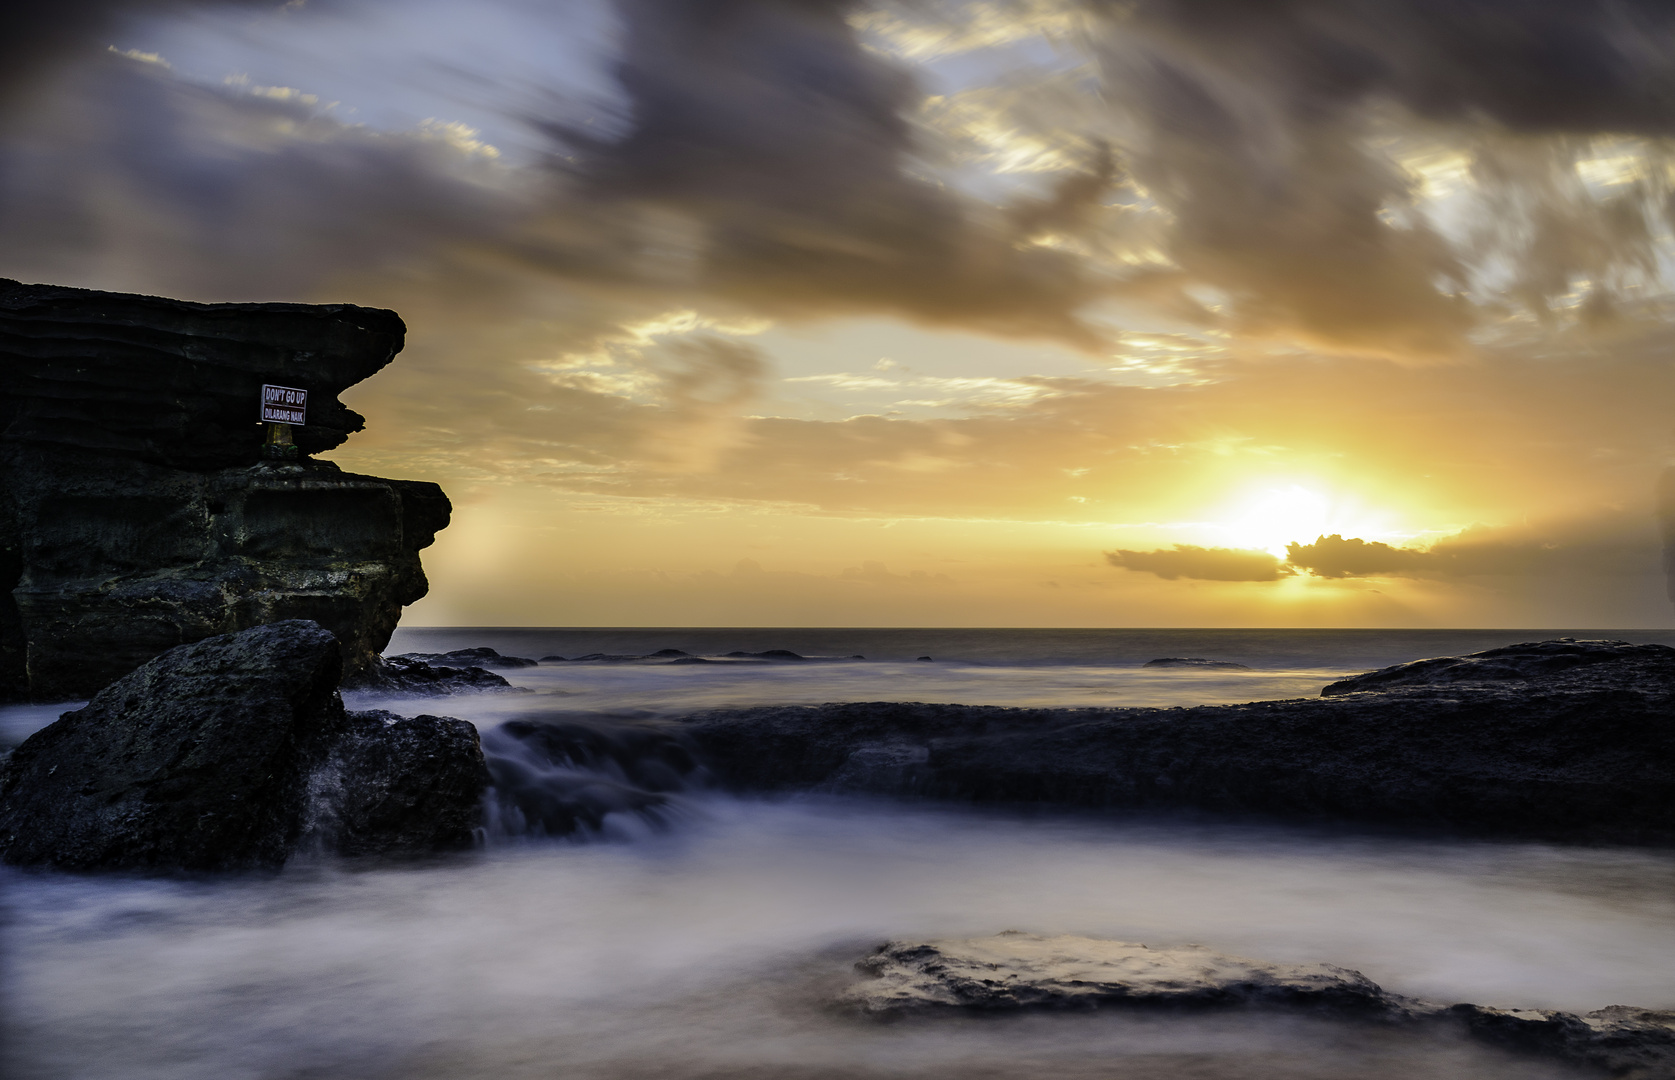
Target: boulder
208, 758
393, 785
1585, 752
1013, 971
136, 511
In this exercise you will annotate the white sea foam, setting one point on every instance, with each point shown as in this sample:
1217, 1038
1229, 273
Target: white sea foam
704, 944
706, 949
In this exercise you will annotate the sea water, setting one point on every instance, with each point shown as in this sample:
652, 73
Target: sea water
709, 941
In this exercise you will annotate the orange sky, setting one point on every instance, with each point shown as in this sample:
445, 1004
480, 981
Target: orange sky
999, 312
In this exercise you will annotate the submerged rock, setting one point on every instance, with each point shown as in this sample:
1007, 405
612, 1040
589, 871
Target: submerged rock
1582, 753
208, 757
1013, 971
1016, 970
136, 511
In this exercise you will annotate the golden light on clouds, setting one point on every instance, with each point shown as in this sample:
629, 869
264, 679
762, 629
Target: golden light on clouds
981, 312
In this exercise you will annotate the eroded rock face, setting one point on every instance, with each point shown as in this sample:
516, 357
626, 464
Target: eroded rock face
224, 754
135, 513
1012, 971
1583, 752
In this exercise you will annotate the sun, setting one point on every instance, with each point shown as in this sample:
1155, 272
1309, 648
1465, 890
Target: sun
1271, 518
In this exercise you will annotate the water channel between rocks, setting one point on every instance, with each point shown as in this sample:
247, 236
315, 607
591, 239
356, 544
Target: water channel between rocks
711, 941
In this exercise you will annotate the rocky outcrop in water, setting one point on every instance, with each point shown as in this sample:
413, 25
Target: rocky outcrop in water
136, 511
1014, 971
1195, 662
407, 677
482, 657
228, 754
1596, 664
1580, 747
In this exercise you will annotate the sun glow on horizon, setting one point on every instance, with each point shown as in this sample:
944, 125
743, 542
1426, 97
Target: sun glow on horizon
1269, 518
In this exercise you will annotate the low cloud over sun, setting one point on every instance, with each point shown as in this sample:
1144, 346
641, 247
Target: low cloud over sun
1038, 312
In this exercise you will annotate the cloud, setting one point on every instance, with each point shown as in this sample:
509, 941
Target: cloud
1203, 564
1615, 543
1334, 557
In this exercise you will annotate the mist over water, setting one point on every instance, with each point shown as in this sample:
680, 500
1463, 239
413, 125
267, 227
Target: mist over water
707, 939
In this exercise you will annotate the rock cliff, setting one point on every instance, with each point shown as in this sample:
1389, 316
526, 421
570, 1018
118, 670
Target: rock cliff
136, 512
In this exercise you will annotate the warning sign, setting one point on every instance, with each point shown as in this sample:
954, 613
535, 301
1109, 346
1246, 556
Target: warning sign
284, 405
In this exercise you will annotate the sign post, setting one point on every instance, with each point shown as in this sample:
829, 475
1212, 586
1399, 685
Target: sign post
282, 407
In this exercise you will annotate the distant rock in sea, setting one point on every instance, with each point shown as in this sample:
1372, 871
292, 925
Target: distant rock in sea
230, 753
138, 505
1013, 971
678, 656
1195, 662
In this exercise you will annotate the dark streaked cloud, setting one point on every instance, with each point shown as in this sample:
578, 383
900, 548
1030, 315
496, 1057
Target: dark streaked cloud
1268, 125
1203, 563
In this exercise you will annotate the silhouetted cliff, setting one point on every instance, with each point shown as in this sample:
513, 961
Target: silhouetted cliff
136, 512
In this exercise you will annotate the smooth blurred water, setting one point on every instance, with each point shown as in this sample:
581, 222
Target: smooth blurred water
709, 942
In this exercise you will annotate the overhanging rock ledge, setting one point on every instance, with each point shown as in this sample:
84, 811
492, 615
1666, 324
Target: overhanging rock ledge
136, 513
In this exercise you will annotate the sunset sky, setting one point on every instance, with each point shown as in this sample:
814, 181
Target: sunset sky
988, 313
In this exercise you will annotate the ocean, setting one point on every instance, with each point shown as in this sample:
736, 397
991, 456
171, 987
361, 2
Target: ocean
706, 942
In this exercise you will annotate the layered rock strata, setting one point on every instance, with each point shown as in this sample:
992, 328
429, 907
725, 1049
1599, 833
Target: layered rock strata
233, 753
1012, 971
136, 512
1559, 740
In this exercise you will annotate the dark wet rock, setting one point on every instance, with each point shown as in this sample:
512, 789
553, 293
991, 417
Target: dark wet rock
1585, 753
706, 660
404, 675
669, 652
204, 759
770, 654
394, 785
1529, 660
552, 660
553, 778
478, 658
1194, 662
1014, 971
136, 512
926, 658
